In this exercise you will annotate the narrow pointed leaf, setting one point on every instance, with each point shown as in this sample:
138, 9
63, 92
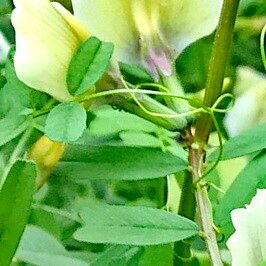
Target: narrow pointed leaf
248, 142
85, 162
133, 226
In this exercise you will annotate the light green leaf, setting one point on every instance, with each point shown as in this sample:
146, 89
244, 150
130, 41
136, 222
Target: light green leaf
15, 200
88, 65
241, 191
66, 122
111, 122
86, 162
11, 126
42, 249
140, 139
251, 141
133, 226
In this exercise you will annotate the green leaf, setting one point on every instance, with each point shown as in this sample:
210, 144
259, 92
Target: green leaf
5, 7
114, 255
133, 226
251, 141
88, 65
66, 122
117, 121
135, 74
86, 162
140, 139
17, 95
192, 64
241, 191
12, 126
157, 255
15, 200
38, 247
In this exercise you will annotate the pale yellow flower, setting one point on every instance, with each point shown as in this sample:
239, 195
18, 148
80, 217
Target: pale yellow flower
153, 32
149, 32
47, 37
248, 244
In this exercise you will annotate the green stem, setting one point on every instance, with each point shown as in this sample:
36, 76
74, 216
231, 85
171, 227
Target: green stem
196, 157
16, 154
220, 52
204, 124
187, 207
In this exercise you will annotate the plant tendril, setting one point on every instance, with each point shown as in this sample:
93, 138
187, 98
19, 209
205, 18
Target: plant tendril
137, 90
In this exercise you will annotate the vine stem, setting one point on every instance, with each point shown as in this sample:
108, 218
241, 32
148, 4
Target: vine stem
203, 127
204, 205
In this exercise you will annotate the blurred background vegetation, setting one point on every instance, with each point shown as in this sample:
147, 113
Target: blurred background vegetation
192, 66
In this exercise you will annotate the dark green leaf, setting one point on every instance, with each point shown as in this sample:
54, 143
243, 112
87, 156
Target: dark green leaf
192, 64
66, 122
85, 162
251, 141
135, 74
15, 200
88, 65
2, 81
37, 247
241, 191
133, 226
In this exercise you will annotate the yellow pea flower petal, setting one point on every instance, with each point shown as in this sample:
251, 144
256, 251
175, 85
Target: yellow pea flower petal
45, 44
45, 153
79, 28
127, 23
110, 21
185, 21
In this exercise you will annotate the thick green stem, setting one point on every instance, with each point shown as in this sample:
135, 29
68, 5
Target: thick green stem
197, 154
187, 207
220, 52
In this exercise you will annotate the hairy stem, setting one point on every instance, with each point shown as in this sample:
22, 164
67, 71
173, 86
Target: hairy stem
197, 154
204, 206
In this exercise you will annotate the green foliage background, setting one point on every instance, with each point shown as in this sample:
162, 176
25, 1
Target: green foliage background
54, 215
